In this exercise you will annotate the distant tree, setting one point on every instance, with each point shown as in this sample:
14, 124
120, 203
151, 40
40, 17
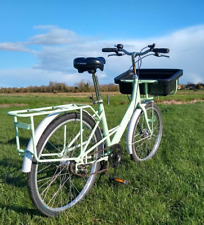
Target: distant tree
183, 86
83, 86
200, 86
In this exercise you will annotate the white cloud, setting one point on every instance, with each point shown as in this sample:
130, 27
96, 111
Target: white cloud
58, 48
9, 46
25, 77
54, 36
187, 52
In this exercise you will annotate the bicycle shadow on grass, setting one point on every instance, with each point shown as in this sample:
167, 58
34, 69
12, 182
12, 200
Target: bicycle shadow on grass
21, 210
10, 166
23, 141
13, 176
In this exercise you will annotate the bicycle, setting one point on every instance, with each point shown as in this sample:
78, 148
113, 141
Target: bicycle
68, 148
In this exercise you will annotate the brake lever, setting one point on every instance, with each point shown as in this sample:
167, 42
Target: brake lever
159, 55
112, 55
118, 54
167, 56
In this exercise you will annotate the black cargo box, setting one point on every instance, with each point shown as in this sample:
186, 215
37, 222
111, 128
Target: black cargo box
165, 85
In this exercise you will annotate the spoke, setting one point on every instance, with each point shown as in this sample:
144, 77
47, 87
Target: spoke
143, 139
60, 187
48, 178
74, 186
44, 168
52, 181
45, 178
53, 146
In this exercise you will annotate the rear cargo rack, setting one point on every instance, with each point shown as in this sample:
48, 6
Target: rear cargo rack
29, 125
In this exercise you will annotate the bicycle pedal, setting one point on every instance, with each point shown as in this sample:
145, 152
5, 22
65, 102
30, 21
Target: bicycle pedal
120, 180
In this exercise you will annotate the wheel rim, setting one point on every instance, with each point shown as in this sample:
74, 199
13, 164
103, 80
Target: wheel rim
145, 144
57, 187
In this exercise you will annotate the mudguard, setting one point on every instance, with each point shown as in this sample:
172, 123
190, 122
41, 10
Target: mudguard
131, 127
27, 162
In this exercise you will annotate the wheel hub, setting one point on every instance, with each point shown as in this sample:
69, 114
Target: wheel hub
145, 133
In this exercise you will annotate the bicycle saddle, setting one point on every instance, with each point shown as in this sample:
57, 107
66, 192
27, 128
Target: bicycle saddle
89, 64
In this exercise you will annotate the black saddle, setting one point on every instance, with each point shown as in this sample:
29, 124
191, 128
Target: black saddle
89, 64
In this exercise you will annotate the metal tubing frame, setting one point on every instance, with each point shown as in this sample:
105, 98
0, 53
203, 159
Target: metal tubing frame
100, 117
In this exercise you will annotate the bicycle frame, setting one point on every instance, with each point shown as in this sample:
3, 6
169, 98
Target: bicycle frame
110, 137
99, 116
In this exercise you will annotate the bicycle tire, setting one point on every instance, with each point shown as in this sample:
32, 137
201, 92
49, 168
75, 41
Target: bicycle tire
53, 188
145, 145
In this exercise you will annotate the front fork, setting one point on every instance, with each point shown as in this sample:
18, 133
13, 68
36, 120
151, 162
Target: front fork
136, 92
147, 120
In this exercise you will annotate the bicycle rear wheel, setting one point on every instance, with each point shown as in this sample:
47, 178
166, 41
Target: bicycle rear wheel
144, 144
53, 187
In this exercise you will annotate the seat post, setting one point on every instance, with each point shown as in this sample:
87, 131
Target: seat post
96, 86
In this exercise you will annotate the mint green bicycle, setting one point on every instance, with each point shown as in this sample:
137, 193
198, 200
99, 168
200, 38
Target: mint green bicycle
73, 143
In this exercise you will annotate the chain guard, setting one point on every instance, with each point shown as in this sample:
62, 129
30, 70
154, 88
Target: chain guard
115, 155
114, 159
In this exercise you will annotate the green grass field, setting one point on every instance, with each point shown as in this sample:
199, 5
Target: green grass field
168, 189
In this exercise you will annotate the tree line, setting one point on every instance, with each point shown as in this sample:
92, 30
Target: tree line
192, 86
55, 87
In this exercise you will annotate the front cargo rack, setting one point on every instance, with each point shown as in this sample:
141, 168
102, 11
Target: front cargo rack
156, 82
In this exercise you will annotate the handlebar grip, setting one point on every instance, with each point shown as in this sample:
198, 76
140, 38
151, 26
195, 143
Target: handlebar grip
109, 49
161, 50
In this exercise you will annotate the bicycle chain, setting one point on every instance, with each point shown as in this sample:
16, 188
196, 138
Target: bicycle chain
112, 157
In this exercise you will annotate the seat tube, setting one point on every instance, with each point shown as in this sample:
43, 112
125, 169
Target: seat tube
101, 110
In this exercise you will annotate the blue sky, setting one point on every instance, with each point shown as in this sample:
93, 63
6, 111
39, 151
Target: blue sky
40, 38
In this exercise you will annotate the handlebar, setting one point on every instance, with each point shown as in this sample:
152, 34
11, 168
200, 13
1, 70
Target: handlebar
109, 50
115, 50
119, 51
161, 50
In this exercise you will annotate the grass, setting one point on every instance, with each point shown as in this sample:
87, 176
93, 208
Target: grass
168, 189
185, 95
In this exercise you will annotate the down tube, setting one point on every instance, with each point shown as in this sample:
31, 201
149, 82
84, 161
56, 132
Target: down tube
128, 114
104, 123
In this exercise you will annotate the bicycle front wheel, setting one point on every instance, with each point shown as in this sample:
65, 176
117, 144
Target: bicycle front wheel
145, 144
53, 187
